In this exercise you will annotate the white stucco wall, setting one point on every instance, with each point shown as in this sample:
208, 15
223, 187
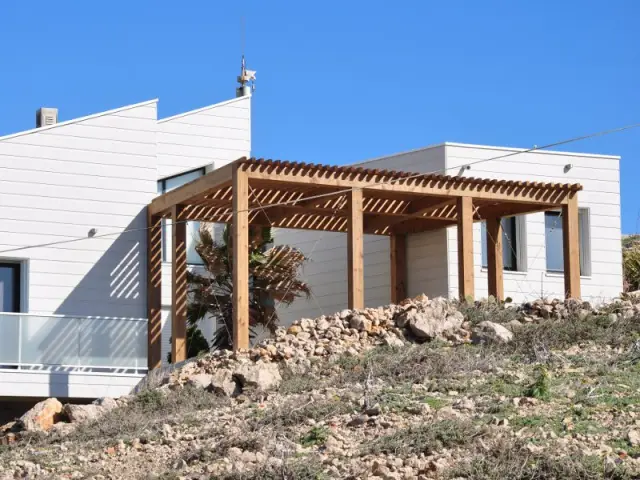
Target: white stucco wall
600, 178
58, 182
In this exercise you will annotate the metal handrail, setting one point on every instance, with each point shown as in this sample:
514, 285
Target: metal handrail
88, 317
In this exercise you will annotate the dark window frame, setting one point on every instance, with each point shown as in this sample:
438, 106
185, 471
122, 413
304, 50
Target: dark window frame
17, 283
163, 189
163, 181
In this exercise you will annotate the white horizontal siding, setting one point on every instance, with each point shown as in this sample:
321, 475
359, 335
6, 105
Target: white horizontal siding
217, 135
59, 182
599, 177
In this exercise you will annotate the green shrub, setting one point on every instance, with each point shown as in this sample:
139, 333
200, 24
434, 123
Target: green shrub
315, 436
540, 388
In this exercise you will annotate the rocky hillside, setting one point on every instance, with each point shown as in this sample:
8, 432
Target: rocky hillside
424, 390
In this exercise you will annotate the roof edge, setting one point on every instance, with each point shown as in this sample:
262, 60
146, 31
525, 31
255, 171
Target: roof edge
79, 119
405, 152
202, 109
542, 150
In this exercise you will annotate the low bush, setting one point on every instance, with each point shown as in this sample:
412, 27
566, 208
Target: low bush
424, 438
515, 462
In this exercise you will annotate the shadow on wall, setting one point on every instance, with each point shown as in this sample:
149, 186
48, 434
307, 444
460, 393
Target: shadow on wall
112, 290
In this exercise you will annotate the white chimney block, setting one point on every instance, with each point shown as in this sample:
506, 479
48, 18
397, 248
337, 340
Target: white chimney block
46, 116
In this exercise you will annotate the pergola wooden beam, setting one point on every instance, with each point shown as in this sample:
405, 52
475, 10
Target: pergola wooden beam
355, 251
179, 286
154, 291
465, 247
180, 196
571, 248
240, 247
434, 185
495, 261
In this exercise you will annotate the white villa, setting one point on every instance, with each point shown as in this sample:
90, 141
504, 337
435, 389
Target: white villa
73, 321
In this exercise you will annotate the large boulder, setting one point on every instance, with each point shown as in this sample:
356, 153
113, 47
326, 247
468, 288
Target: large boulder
200, 380
261, 376
490, 332
86, 413
222, 382
430, 321
83, 413
42, 416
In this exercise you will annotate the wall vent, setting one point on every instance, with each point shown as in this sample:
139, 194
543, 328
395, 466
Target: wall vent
46, 116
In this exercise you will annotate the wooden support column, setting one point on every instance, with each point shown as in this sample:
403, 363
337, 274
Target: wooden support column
240, 246
355, 253
398, 247
571, 247
495, 262
178, 286
464, 207
154, 292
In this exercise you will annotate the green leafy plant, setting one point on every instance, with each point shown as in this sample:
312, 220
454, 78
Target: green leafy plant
540, 388
274, 277
315, 436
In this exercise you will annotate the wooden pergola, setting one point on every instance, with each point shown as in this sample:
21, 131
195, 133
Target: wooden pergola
347, 199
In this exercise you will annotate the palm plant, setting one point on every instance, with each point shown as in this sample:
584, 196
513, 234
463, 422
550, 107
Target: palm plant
273, 273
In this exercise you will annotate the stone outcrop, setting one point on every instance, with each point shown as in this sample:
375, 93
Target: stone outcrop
42, 416
487, 331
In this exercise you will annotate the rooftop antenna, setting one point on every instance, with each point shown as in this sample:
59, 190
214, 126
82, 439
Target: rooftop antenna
247, 78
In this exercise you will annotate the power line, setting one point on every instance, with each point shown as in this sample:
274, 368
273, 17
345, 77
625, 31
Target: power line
342, 192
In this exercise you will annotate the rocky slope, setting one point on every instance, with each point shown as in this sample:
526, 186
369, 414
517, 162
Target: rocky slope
425, 389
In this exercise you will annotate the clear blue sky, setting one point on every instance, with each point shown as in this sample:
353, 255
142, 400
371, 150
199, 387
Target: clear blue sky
340, 81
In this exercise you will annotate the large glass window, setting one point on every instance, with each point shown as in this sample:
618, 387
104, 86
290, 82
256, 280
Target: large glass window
10, 287
513, 240
193, 228
554, 242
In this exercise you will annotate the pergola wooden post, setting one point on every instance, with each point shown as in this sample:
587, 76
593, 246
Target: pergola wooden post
154, 291
571, 247
398, 249
464, 209
240, 246
355, 252
351, 200
179, 286
495, 262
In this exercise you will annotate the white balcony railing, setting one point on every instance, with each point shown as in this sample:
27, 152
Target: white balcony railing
66, 343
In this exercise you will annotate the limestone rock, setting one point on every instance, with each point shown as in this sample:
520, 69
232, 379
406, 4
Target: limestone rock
360, 323
634, 437
42, 416
222, 383
491, 332
83, 413
262, 376
430, 322
201, 380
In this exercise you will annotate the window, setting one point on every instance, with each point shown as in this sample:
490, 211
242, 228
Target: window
166, 185
513, 243
10, 287
554, 243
